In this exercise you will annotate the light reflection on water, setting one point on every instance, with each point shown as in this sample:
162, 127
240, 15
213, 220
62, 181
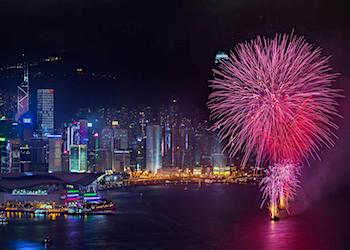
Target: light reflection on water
213, 217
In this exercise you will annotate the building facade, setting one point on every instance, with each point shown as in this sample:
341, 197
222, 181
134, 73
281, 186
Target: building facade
153, 148
45, 112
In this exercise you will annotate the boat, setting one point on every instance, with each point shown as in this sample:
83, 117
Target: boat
275, 218
47, 240
3, 219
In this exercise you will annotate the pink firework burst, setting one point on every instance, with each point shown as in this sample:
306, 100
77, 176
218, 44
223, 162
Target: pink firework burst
273, 99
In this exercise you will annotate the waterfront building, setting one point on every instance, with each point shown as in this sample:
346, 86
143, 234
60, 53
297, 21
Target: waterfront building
44, 187
153, 148
121, 160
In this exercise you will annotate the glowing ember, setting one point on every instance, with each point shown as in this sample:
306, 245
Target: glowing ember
273, 99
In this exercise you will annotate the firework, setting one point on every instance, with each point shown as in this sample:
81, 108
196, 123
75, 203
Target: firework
273, 99
279, 186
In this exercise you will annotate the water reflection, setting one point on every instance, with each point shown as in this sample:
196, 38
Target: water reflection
216, 217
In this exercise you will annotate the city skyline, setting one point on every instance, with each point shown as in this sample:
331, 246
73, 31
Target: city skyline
178, 124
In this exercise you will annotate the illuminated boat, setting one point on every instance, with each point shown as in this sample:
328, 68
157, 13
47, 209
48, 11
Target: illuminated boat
3, 219
99, 208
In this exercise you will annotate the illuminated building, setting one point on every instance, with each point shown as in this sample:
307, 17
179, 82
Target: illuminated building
3, 153
55, 153
25, 156
167, 145
78, 158
39, 155
12, 159
197, 171
8, 105
202, 146
220, 55
83, 131
23, 95
221, 170
121, 139
105, 152
26, 127
121, 160
218, 158
45, 112
93, 151
46, 187
153, 148
72, 135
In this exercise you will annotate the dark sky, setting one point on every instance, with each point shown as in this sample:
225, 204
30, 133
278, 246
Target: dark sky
157, 49
163, 48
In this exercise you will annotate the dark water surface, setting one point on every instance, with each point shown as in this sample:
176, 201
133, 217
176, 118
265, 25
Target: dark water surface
169, 217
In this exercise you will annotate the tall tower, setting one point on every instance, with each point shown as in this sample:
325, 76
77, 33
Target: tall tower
23, 94
45, 112
153, 148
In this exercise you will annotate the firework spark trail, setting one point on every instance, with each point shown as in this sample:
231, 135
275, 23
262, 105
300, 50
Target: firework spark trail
280, 185
273, 99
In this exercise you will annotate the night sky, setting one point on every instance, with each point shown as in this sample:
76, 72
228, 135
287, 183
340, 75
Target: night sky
157, 49
160, 49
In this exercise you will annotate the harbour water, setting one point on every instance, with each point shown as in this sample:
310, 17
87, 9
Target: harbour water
216, 216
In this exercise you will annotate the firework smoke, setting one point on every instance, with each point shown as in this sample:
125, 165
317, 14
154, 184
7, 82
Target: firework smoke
273, 99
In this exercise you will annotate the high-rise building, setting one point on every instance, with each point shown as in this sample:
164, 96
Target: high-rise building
8, 105
121, 139
12, 159
83, 131
3, 153
72, 135
25, 156
121, 160
45, 112
39, 155
153, 148
78, 158
167, 145
55, 153
105, 153
93, 148
23, 95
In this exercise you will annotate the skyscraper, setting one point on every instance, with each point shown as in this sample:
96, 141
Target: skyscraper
55, 153
45, 112
12, 161
121, 139
78, 158
153, 148
23, 95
